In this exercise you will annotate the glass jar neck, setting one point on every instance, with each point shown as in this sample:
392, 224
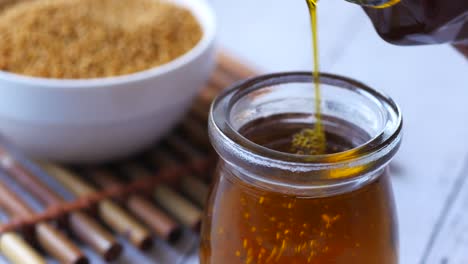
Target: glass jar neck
343, 99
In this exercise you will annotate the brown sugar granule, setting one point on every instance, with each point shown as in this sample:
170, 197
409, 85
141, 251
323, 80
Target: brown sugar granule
75, 39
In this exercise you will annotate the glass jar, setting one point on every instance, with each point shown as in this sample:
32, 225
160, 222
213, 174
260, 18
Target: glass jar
271, 206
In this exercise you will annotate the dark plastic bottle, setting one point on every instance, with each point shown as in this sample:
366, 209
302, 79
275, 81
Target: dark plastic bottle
418, 22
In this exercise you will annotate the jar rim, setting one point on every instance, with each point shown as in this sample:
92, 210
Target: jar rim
383, 144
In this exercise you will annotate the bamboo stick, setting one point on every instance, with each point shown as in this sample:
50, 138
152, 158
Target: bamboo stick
58, 245
188, 184
221, 80
229, 71
232, 65
18, 251
196, 132
199, 110
195, 189
82, 225
52, 240
162, 159
160, 223
191, 155
92, 233
179, 207
30, 182
112, 214
183, 148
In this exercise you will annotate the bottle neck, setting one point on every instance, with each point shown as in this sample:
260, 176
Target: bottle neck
375, 3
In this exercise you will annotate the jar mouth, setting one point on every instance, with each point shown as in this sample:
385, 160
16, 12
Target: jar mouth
381, 145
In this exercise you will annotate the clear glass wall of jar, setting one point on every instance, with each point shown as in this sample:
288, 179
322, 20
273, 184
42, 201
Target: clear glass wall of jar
271, 206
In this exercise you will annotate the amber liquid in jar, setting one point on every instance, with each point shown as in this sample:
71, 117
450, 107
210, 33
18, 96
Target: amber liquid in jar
248, 224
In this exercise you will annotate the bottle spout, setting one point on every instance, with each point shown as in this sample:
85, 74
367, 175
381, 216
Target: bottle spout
375, 3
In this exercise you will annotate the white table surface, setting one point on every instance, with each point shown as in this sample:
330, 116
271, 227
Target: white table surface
430, 83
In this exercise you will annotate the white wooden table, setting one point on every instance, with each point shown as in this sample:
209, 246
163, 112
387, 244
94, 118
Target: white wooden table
430, 173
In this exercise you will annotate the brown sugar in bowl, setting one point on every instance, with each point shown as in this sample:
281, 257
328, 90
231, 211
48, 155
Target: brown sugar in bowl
79, 39
97, 119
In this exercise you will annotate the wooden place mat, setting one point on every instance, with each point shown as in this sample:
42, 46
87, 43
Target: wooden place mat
154, 194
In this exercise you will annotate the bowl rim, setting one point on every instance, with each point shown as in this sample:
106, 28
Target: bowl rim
204, 14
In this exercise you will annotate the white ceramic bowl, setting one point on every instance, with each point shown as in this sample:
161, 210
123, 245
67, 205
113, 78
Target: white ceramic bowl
105, 118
